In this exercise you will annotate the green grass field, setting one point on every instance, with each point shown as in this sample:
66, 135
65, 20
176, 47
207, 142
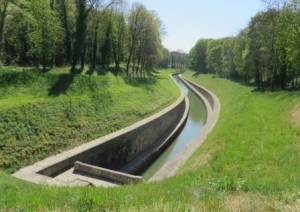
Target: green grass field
250, 162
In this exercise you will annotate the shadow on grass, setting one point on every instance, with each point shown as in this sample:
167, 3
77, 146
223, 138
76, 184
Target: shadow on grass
265, 87
152, 73
19, 78
148, 83
62, 85
196, 74
104, 70
139, 81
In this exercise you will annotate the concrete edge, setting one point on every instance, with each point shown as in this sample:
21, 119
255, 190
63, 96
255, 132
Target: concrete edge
146, 159
31, 173
151, 154
213, 108
115, 176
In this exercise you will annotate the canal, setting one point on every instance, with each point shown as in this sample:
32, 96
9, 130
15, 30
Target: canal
195, 122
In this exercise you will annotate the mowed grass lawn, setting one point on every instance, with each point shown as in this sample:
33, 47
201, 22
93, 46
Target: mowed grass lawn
250, 162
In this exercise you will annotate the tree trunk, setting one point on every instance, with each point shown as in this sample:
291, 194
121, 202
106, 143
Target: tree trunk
68, 39
52, 4
3, 12
257, 75
95, 46
130, 55
81, 27
283, 75
83, 58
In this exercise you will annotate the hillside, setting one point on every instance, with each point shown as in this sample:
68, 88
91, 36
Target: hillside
45, 113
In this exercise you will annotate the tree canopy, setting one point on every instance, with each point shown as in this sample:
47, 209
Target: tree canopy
76, 33
266, 53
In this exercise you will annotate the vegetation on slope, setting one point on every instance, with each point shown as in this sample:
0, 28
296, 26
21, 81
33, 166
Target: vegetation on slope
249, 162
45, 113
255, 145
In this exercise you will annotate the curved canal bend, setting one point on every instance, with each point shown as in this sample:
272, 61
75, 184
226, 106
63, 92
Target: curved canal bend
196, 120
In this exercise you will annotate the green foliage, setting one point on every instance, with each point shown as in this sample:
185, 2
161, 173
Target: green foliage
42, 34
145, 47
178, 60
214, 59
68, 32
198, 55
266, 52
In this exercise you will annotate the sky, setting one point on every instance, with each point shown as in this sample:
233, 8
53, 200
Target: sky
186, 21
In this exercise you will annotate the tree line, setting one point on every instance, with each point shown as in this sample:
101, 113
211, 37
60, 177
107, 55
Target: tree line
99, 33
266, 53
178, 60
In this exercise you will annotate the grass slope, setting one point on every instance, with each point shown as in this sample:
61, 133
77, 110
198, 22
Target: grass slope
249, 163
45, 113
255, 145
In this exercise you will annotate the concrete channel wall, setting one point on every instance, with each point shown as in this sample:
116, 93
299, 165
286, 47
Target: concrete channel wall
144, 139
213, 108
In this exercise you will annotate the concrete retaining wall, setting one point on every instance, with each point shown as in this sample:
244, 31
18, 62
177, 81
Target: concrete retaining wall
210, 97
124, 148
213, 108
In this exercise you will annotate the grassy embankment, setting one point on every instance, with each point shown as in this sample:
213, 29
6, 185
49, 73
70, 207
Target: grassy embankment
45, 113
251, 161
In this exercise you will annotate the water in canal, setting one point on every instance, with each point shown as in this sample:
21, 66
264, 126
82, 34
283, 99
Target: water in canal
195, 122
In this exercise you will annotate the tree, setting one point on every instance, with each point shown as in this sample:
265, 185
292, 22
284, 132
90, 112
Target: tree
262, 35
228, 66
165, 62
84, 7
3, 13
118, 38
81, 27
145, 48
42, 35
198, 56
63, 10
288, 43
107, 45
214, 57
240, 53
150, 51
179, 59
134, 22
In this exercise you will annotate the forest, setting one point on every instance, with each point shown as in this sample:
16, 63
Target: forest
266, 53
75, 33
